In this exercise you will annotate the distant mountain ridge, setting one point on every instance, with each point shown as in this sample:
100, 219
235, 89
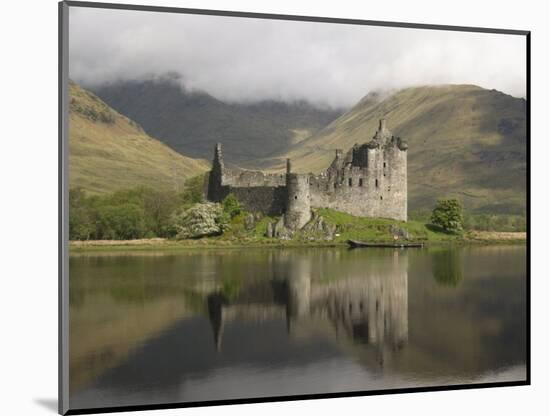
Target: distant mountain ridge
109, 152
464, 141
191, 122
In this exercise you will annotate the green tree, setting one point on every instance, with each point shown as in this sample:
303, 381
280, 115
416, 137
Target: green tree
158, 207
194, 190
121, 222
81, 221
447, 214
231, 205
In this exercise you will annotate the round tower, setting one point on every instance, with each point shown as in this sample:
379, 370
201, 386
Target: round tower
298, 204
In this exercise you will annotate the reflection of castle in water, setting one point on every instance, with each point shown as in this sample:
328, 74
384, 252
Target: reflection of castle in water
368, 307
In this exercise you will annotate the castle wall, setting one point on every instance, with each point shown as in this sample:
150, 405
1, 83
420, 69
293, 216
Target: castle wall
256, 191
250, 178
269, 200
214, 190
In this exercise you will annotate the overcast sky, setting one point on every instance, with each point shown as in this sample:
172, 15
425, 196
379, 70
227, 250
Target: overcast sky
238, 59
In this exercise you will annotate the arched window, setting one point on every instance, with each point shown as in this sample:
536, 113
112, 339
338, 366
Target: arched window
350, 182
360, 181
376, 183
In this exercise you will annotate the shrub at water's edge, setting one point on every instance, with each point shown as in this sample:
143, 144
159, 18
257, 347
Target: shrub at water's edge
447, 215
201, 220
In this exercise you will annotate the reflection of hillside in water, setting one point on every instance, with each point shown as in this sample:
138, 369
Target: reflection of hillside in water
365, 305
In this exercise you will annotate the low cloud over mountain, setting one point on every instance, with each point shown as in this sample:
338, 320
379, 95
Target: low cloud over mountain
243, 60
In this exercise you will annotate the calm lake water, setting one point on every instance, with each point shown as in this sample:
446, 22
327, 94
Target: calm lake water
160, 327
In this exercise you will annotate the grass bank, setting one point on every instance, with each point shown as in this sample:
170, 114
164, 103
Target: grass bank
347, 227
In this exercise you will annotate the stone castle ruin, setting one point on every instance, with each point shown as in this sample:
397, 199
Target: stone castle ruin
370, 180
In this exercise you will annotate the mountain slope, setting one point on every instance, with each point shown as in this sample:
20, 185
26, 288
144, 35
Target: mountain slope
192, 122
464, 141
107, 151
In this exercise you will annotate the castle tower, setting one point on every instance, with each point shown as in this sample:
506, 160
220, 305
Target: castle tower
385, 160
298, 204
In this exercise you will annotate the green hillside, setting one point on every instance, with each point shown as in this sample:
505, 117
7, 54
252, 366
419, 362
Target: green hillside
108, 151
191, 122
464, 141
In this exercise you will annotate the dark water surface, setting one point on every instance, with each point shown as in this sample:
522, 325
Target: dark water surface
160, 327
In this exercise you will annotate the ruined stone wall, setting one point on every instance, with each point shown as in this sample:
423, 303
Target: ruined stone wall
248, 178
214, 190
256, 191
269, 200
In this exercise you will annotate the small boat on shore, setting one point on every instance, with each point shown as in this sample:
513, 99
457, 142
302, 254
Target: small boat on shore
359, 244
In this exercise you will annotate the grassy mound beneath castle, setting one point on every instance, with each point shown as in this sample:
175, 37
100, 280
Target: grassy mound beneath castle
350, 227
347, 227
